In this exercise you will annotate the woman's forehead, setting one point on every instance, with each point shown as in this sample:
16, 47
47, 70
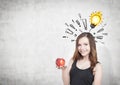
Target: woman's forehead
83, 39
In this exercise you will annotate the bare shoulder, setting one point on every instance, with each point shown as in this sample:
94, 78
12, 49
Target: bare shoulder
98, 67
70, 63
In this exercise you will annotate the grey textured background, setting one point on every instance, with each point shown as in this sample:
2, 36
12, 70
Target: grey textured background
31, 39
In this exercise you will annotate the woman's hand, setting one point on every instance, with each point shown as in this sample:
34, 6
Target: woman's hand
61, 67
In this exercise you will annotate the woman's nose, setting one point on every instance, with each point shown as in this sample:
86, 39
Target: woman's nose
82, 47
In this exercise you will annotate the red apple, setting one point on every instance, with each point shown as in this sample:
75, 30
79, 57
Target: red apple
60, 62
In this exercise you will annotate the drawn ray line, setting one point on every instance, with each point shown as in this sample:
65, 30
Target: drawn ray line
77, 21
90, 29
69, 31
79, 15
84, 21
65, 36
100, 30
73, 27
72, 40
66, 24
105, 33
73, 21
75, 35
80, 30
99, 37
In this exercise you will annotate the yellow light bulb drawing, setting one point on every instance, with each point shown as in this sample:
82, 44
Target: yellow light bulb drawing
95, 19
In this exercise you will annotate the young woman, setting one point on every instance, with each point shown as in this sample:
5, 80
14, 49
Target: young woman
83, 67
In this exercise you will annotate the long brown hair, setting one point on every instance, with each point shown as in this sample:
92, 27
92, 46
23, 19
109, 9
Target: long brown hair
93, 53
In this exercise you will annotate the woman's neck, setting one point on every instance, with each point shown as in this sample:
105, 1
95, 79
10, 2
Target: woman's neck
85, 58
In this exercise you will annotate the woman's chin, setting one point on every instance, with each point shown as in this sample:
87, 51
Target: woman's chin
84, 55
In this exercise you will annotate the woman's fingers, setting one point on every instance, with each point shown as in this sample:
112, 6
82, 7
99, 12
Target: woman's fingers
61, 67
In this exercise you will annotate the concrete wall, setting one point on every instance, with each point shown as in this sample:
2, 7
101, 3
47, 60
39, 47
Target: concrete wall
31, 39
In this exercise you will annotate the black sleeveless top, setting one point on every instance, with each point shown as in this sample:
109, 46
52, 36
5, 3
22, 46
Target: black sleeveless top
80, 76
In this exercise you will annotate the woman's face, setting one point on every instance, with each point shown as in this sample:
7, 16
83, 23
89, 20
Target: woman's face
84, 46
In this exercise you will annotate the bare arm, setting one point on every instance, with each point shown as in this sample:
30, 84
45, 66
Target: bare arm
65, 73
97, 74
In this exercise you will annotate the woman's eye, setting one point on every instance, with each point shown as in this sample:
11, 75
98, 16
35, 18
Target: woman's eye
86, 44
